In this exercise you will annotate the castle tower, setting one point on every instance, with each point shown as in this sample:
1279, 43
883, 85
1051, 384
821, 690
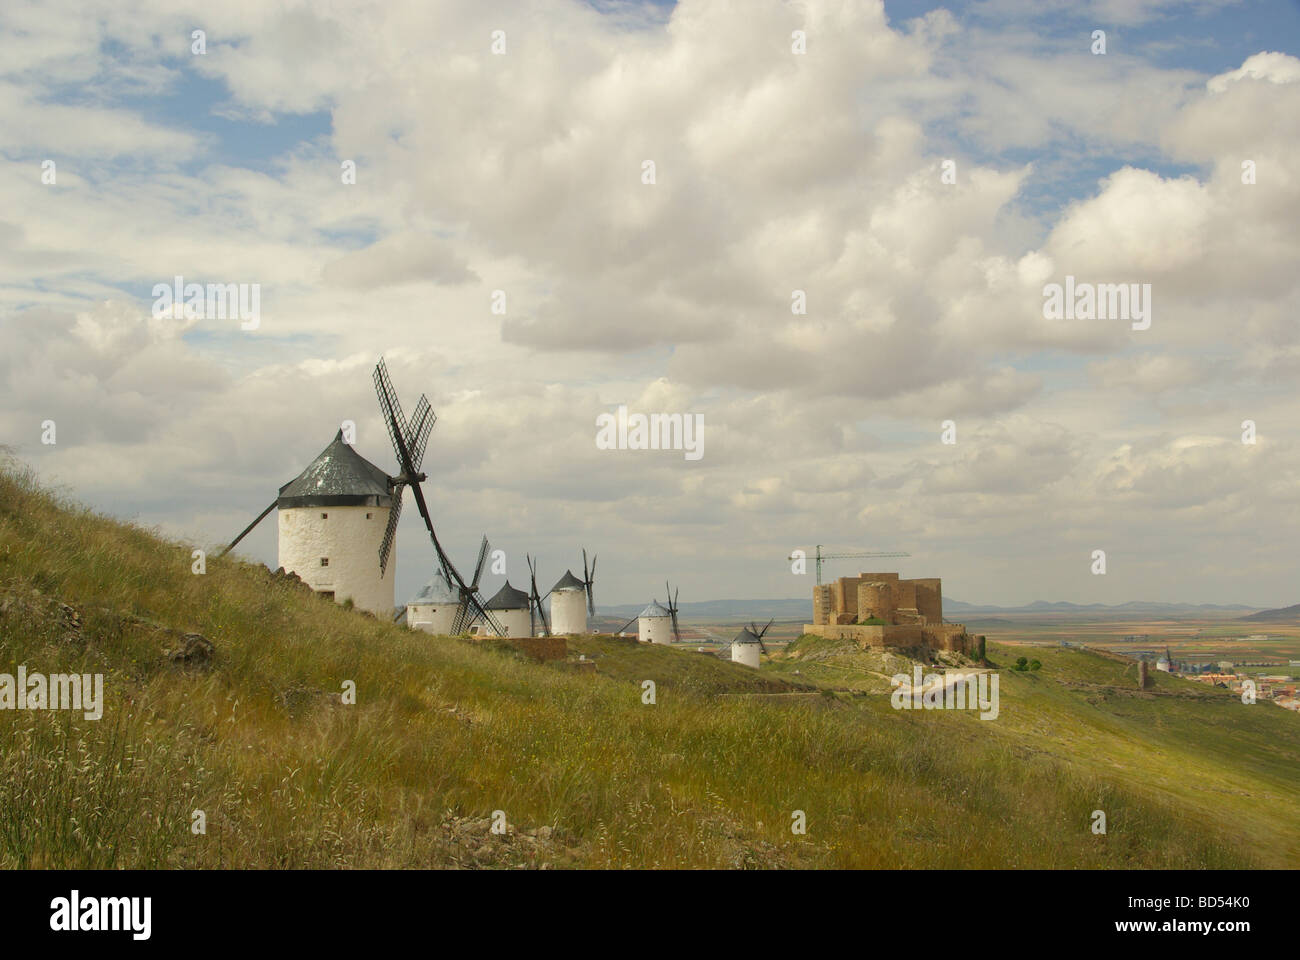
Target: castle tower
568, 605
655, 624
823, 604
332, 518
876, 599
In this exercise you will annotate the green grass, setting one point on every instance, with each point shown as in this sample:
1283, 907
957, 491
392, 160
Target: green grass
444, 732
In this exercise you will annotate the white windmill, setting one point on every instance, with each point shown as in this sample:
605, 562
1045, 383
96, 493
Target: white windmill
334, 529
654, 624
512, 610
572, 601
747, 645
342, 507
434, 608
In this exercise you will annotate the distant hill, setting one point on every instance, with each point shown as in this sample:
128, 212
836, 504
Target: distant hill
796, 609
801, 609
953, 608
1289, 614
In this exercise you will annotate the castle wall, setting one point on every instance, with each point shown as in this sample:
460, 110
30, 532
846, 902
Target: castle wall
929, 599
950, 636
845, 595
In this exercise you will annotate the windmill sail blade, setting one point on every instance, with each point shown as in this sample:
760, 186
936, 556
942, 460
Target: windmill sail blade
391, 408
392, 411
422, 421
588, 579
483, 549
474, 610
390, 531
538, 612
248, 529
536, 609
462, 618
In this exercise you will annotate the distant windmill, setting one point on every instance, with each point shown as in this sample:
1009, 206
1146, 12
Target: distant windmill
470, 598
408, 443
568, 605
536, 611
745, 648
657, 623
589, 578
568, 611
671, 597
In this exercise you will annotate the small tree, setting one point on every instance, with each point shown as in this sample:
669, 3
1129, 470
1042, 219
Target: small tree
1022, 663
982, 656
1035, 665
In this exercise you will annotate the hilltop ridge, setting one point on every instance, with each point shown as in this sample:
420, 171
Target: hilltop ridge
226, 693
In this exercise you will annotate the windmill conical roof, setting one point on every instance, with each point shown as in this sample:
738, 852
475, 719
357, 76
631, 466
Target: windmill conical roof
746, 636
338, 477
567, 582
654, 610
508, 598
437, 590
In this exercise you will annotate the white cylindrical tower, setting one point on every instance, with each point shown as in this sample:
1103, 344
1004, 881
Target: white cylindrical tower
568, 605
332, 519
655, 625
745, 648
510, 609
433, 609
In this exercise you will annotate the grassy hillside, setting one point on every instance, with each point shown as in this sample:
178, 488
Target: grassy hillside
444, 732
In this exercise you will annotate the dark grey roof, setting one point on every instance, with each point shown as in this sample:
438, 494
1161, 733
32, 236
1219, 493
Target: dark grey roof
654, 610
437, 590
567, 582
745, 636
338, 477
508, 598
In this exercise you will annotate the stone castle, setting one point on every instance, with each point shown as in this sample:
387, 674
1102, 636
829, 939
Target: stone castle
880, 610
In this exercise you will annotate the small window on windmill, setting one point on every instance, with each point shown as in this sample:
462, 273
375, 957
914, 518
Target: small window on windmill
370, 516
324, 516
324, 561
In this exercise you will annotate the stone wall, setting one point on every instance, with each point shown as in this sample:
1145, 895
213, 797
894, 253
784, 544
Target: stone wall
929, 599
541, 648
948, 636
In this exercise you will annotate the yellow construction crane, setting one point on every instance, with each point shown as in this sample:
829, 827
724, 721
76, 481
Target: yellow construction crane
847, 556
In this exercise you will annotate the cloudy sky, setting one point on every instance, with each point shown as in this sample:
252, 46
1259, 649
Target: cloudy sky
774, 171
